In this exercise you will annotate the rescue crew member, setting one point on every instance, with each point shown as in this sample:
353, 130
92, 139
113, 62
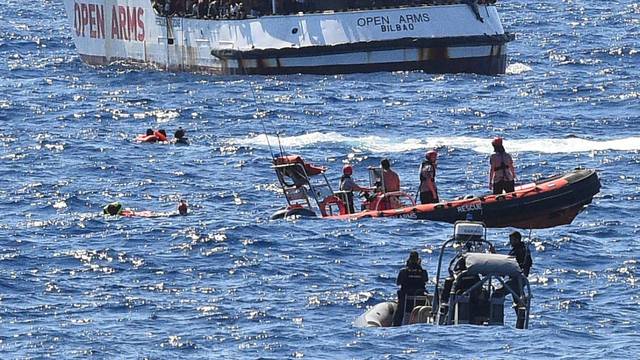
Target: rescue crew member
502, 174
349, 186
180, 137
521, 252
113, 209
390, 179
428, 189
183, 208
412, 281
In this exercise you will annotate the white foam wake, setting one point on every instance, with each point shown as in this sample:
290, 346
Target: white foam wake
377, 144
517, 68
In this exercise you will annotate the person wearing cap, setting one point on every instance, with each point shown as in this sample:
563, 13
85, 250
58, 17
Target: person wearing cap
180, 137
348, 185
412, 280
502, 174
428, 189
112, 209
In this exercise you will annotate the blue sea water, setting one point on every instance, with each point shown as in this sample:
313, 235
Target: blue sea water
225, 282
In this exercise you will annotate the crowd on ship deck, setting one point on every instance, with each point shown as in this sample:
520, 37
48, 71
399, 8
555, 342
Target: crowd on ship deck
235, 9
205, 9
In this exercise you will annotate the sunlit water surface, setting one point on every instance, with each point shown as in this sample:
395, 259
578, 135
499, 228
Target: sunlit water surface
225, 282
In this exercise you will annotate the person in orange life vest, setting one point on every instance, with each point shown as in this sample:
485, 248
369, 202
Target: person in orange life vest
502, 174
390, 179
428, 189
148, 137
412, 281
347, 184
161, 135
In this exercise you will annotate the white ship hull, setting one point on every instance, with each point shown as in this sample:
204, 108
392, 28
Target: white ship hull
435, 39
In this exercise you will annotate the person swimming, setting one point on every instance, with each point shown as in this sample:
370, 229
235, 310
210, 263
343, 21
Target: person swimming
148, 137
180, 137
183, 208
112, 209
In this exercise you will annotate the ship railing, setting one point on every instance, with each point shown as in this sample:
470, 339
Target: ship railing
228, 12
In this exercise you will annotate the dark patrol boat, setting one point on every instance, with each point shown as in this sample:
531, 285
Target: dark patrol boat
471, 289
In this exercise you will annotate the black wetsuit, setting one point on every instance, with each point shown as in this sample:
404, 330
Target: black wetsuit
412, 280
523, 257
182, 141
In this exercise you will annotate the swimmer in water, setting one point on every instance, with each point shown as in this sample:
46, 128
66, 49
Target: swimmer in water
113, 209
180, 137
183, 208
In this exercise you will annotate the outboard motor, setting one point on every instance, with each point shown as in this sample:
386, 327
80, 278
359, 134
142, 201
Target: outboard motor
470, 234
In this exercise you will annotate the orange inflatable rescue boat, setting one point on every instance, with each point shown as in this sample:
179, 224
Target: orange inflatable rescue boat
553, 201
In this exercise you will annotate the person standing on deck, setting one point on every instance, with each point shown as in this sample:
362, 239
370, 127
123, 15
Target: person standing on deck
390, 178
412, 280
502, 174
428, 189
348, 185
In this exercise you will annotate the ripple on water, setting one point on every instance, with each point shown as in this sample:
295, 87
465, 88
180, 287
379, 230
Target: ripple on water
227, 282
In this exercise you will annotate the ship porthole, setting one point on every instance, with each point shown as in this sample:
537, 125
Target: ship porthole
294, 30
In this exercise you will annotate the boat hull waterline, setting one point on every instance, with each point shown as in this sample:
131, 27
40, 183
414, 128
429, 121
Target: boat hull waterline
552, 202
448, 38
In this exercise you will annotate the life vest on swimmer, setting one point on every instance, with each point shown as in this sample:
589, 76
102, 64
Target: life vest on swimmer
310, 169
146, 138
332, 200
128, 213
160, 136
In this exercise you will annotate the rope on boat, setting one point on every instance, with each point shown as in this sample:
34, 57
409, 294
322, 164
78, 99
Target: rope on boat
255, 100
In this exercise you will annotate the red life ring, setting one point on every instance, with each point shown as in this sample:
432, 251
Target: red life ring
329, 200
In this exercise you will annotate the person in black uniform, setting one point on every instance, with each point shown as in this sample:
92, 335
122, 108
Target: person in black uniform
412, 280
520, 251
523, 256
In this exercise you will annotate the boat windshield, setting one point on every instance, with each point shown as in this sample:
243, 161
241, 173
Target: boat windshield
244, 9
